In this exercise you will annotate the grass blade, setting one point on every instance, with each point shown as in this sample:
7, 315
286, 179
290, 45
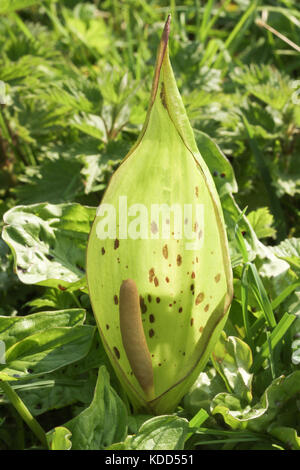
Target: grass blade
274, 338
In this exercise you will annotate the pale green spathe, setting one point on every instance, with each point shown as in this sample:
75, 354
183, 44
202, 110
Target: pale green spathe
184, 293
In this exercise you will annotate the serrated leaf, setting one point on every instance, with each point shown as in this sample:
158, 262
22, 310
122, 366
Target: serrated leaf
90, 124
261, 221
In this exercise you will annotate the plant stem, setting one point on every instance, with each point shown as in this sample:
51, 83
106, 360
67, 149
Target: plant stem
23, 411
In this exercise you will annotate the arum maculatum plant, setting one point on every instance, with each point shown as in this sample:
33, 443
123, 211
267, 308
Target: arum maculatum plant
158, 266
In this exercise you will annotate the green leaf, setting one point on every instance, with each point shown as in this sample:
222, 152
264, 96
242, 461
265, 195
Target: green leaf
97, 167
73, 383
277, 398
90, 124
59, 439
87, 26
161, 433
47, 350
206, 387
287, 435
14, 329
8, 6
217, 163
289, 250
56, 180
261, 221
103, 422
61, 389
233, 411
232, 358
281, 393
48, 242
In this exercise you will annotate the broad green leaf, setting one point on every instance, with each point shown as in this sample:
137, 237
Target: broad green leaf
217, 163
61, 389
14, 329
47, 350
103, 422
287, 435
206, 387
161, 433
232, 358
135, 421
279, 396
54, 298
233, 411
73, 383
59, 439
180, 279
48, 242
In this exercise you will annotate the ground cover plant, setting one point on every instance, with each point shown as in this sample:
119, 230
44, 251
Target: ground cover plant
75, 81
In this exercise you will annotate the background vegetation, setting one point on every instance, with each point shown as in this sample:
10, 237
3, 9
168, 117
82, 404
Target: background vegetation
75, 83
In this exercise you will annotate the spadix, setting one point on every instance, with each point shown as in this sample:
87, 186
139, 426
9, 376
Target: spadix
158, 266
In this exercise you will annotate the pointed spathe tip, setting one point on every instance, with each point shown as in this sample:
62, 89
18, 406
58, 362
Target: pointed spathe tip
160, 57
166, 31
